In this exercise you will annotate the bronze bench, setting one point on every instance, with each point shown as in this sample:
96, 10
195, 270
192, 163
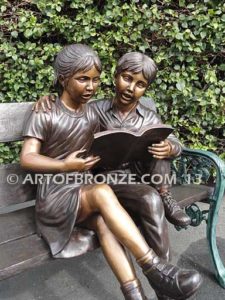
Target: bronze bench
200, 174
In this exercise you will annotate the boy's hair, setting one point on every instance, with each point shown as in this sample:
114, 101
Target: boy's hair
72, 59
137, 62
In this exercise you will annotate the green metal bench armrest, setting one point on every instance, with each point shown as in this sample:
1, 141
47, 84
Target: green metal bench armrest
215, 203
219, 165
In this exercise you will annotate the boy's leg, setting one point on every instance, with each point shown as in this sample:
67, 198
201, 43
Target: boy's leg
160, 171
144, 202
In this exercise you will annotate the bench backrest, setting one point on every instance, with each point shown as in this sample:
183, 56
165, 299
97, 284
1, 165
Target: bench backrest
12, 116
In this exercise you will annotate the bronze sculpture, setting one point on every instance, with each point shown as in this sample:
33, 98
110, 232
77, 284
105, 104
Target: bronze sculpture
142, 200
60, 207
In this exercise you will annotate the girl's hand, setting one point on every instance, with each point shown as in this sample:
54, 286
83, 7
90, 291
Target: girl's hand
74, 163
161, 150
44, 103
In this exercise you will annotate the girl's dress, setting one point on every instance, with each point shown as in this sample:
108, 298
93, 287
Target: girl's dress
61, 132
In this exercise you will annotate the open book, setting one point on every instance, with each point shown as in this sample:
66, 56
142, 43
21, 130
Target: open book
119, 146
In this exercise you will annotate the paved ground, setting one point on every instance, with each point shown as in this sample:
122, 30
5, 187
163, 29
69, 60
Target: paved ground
89, 278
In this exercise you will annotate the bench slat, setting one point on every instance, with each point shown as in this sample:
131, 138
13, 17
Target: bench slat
11, 120
17, 225
19, 255
14, 193
188, 194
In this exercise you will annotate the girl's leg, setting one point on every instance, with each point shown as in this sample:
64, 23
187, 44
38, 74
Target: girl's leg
117, 258
101, 199
112, 249
170, 280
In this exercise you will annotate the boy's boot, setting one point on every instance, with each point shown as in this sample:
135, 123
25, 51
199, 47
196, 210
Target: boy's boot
170, 280
173, 212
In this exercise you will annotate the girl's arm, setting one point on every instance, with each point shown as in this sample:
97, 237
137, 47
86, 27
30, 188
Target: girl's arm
31, 159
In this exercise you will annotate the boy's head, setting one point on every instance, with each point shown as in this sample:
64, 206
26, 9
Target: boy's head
134, 72
73, 59
137, 62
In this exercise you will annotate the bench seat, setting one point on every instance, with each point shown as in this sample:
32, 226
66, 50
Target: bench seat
21, 254
21, 248
191, 193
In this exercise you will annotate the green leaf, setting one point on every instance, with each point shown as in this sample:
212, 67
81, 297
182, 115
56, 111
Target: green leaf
189, 59
221, 67
28, 33
203, 34
180, 85
14, 34
140, 26
3, 8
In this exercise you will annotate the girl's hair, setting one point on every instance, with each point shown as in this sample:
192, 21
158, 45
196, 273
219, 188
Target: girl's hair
137, 62
72, 59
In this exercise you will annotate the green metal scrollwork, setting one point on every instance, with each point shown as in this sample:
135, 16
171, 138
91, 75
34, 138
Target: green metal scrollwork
190, 169
204, 167
196, 214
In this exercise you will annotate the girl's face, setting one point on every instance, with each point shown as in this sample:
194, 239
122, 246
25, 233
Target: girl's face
79, 88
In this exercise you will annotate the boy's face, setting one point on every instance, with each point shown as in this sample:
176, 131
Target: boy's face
79, 88
130, 87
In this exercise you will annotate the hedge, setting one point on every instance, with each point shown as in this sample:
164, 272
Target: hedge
185, 38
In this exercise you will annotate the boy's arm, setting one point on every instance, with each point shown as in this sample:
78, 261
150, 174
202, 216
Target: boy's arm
169, 148
44, 103
176, 145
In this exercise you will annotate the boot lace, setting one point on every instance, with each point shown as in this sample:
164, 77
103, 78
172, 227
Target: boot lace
169, 201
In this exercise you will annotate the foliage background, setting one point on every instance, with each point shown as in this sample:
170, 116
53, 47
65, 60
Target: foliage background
185, 38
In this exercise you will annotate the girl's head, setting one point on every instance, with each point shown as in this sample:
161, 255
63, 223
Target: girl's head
74, 59
137, 62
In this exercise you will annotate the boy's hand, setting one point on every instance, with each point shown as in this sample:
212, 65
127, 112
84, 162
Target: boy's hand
44, 103
161, 150
74, 163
